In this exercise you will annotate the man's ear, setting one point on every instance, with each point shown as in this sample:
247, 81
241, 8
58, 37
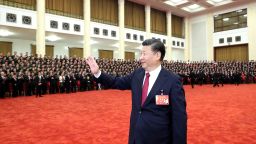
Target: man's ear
158, 55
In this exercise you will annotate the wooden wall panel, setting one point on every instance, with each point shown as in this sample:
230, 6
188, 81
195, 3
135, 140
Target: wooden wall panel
158, 22
134, 16
107, 54
105, 11
178, 26
5, 47
76, 52
230, 53
129, 55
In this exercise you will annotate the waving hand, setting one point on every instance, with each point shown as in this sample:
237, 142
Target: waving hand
93, 65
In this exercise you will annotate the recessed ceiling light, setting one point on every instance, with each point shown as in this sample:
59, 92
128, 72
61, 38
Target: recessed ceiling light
53, 38
5, 33
245, 15
218, 2
193, 8
239, 11
175, 2
226, 19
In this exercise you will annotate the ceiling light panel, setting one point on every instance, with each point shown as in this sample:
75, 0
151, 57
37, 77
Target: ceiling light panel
175, 2
226, 19
218, 2
193, 8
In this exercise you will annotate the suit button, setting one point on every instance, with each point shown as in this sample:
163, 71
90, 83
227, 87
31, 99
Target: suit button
139, 112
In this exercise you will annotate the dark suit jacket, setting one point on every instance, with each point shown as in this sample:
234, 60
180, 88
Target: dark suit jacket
151, 123
37, 80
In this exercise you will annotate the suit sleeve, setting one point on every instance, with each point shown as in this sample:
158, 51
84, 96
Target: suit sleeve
109, 81
178, 114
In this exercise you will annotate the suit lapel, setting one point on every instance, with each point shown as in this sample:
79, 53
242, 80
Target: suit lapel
160, 81
140, 78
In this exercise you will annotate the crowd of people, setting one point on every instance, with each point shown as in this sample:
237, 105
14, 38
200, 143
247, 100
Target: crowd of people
37, 75
205, 72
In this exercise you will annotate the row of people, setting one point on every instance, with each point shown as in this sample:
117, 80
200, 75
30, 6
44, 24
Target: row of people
39, 84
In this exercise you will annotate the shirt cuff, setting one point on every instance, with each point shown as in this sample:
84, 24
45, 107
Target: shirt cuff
97, 75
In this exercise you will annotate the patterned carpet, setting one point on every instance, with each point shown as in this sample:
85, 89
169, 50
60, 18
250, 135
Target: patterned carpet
220, 115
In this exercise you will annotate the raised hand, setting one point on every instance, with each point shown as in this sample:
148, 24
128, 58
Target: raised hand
93, 65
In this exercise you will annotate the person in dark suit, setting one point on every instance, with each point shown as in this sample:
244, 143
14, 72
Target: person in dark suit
192, 77
14, 81
215, 79
2, 84
151, 121
39, 80
67, 83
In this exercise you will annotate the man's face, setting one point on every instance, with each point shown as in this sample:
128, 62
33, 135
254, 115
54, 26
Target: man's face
149, 60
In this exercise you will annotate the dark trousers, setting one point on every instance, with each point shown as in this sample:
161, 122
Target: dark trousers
39, 90
2, 92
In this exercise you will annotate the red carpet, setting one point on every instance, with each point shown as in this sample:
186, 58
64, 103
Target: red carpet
224, 115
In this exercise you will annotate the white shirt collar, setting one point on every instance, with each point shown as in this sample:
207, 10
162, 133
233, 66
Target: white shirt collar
155, 72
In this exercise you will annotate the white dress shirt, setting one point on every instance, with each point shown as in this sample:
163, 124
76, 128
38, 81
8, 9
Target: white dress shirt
152, 78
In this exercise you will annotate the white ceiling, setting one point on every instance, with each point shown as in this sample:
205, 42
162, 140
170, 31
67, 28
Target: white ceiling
68, 39
178, 9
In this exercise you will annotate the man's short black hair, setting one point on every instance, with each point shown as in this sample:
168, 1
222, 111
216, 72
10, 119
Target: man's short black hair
156, 46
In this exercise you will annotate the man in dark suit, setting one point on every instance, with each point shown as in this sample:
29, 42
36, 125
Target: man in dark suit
192, 77
39, 80
152, 121
2, 84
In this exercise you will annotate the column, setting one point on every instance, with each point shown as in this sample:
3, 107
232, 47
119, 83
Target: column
121, 50
251, 22
87, 22
210, 30
168, 55
40, 31
187, 51
148, 22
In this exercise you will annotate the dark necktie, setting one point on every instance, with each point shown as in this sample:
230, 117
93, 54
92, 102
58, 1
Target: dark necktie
145, 89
